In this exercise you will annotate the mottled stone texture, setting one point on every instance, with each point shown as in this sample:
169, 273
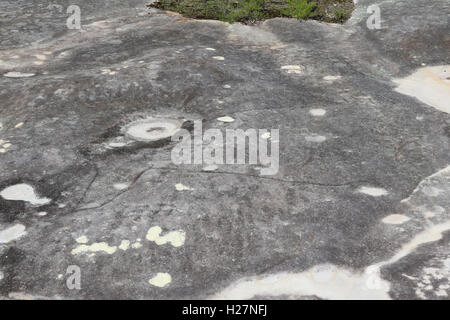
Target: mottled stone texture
129, 63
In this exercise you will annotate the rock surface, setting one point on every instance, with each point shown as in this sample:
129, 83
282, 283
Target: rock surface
73, 91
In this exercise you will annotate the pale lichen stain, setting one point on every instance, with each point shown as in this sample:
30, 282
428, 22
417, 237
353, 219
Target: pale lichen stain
430, 85
323, 281
175, 238
395, 219
317, 112
373, 191
23, 192
15, 74
225, 119
331, 78
12, 233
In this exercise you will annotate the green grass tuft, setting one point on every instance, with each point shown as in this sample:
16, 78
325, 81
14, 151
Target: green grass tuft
300, 9
250, 11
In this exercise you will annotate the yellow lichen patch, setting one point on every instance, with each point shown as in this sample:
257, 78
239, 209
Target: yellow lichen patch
124, 245
181, 187
136, 245
175, 238
160, 280
82, 239
95, 247
18, 125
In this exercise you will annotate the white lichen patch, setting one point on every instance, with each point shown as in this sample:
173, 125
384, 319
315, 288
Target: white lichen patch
210, 49
137, 244
18, 125
12, 233
23, 192
82, 239
430, 85
220, 58
317, 112
124, 245
120, 186
331, 78
182, 187
175, 238
395, 219
266, 135
225, 119
160, 280
14, 74
94, 248
372, 191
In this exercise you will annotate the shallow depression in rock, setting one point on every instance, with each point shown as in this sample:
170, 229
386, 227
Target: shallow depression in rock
150, 130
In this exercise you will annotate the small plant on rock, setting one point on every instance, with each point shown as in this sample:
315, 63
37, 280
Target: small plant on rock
300, 9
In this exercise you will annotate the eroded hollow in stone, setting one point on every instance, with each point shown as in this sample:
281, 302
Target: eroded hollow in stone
152, 129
